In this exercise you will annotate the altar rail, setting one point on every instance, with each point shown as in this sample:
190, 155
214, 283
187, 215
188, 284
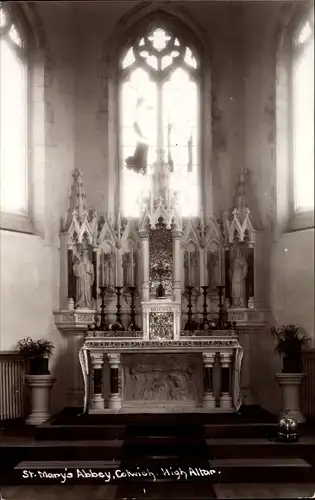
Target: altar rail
308, 386
12, 374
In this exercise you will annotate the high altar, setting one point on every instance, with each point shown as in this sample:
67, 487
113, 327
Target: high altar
143, 308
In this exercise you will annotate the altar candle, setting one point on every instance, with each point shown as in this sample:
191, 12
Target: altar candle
132, 269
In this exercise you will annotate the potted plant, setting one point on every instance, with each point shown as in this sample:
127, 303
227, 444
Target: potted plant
38, 352
290, 339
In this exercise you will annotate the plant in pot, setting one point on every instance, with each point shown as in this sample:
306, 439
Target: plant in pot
38, 352
290, 339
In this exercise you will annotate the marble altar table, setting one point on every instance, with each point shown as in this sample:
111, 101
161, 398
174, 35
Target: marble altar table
197, 373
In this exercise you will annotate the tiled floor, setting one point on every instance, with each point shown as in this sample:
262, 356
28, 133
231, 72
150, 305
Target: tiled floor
224, 491
264, 490
58, 492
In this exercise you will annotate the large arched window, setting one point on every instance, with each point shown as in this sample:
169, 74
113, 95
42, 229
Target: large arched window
159, 118
302, 80
13, 116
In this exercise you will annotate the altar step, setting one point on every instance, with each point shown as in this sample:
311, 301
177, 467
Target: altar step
107, 431
163, 469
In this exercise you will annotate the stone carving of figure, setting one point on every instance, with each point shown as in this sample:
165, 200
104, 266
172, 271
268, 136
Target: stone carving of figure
127, 269
213, 264
84, 272
109, 269
186, 269
238, 273
194, 268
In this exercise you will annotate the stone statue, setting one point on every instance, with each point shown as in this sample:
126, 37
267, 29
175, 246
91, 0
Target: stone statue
127, 269
213, 264
194, 267
238, 273
109, 269
84, 272
186, 269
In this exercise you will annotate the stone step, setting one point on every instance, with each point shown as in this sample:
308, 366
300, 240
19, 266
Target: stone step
79, 432
264, 448
67, 450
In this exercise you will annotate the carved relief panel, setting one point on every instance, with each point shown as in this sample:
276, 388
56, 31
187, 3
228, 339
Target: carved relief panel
151, 377
108, 265
161, 260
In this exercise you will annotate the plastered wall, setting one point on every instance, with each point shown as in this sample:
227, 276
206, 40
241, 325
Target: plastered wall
73, 129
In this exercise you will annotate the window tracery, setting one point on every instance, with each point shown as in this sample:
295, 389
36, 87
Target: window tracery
303, 117
13, 115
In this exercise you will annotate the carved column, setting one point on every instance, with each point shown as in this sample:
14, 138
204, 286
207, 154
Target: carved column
95, 282
250, 277
208, 363
40, 386
226, 379
97, 360
114, 362
227, 275
177, 265
71, 279
144, 235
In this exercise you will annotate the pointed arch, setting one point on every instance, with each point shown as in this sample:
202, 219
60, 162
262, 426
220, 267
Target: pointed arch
131, 26
22, 72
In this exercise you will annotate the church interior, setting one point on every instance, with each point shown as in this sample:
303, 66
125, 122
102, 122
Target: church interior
157, 249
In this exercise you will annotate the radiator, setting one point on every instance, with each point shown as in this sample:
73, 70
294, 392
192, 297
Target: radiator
308, 386
12, 373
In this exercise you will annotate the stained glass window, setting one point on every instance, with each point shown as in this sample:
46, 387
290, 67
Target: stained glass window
159, 119
303, 117
13, 120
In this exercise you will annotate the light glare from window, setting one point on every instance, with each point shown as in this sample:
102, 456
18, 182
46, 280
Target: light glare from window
13, 130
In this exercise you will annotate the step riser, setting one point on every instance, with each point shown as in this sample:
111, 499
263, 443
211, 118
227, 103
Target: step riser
107, 453
263, 475
55, 453
252, 451
239, 432
70, 433
79, 434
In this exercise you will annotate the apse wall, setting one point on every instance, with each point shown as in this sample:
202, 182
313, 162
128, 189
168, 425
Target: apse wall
29, 263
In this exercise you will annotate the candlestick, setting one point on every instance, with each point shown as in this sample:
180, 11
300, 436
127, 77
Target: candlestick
102, 269
221, 321
189, 325
103, 325
133, 325
116, 271
132, 269
118, 326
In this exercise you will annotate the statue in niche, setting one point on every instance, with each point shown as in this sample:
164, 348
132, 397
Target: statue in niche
194, 265
238, 273
84, 272
186, 269
213, 265
138, 162
159, 383
191, 268
109, 269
